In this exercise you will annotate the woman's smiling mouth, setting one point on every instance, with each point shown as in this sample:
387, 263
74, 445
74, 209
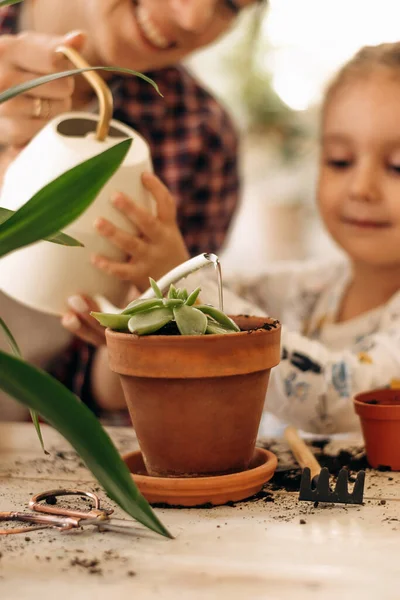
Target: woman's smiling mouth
150, 31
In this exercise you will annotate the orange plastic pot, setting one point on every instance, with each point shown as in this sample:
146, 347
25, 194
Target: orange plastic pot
196, 401
379, 412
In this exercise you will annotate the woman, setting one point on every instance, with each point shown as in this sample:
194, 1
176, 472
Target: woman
192, 140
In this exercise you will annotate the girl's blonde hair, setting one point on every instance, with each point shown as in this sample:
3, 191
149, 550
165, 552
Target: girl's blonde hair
364, 62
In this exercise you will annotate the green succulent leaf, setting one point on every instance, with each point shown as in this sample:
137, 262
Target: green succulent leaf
22, 88
193, 297
12, 342
172, 292
216, 328
46, 212
142, 305
145, 323
62, 409
114, 321
218, 315
183, 295
155, 288
58, 238
190, 321
172, 302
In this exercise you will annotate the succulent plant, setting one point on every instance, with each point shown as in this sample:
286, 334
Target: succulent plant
173, 315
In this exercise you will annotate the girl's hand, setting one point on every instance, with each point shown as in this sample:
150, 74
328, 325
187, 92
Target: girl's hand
158, 245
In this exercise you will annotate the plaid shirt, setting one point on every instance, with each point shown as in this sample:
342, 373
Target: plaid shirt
194, 151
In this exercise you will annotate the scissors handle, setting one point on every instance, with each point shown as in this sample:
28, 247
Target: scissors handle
51, 509
43, 522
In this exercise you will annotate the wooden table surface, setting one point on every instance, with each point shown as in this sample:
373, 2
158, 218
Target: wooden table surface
254, 550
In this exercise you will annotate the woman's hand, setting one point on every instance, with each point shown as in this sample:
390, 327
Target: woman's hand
23, 57
158, 245
79, 321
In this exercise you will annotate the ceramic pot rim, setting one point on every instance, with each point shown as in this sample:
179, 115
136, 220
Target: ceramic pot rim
382, 411
193, 356
174, 339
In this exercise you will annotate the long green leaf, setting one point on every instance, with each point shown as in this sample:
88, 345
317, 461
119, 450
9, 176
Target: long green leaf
16, 350
58, 238
62, 409
218, 315
9, 2
61, 201
21, 88
114, 321
141, 305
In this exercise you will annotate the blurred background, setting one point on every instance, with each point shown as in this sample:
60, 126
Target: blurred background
270, 72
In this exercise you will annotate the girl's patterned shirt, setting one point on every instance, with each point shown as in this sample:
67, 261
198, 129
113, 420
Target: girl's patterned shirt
323, 363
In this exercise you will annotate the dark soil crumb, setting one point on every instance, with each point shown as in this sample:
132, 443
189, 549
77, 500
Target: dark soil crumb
382, 502
28, 539
320, 443
286, 480
303, 522
91, 565
131, 574
51, 500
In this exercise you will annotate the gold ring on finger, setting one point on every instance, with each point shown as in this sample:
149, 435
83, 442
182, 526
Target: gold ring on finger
41, 108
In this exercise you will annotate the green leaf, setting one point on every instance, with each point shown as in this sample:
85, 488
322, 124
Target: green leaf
114, 321
34, 83
218, 315
155, 288
15, 349
62, 409
61, 201
216, 328
172, 302
190, 321
145, 323
12, 342
57, 238
193, 297
172, 292
9, 2
183, 295
142, 305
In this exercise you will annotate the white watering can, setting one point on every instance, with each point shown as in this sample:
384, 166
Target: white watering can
43, 275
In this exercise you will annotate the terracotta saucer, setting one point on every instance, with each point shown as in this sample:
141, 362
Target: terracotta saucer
195, 491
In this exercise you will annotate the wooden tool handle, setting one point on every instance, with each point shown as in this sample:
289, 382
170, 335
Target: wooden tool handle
301, 452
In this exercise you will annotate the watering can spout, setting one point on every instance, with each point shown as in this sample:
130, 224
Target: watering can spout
175, 275
182, 271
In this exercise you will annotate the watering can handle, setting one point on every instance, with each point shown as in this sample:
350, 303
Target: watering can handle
98, 84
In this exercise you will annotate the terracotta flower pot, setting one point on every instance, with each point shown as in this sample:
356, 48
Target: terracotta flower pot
379, 412
196, 401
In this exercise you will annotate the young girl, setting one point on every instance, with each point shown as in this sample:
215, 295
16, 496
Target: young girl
341, 319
